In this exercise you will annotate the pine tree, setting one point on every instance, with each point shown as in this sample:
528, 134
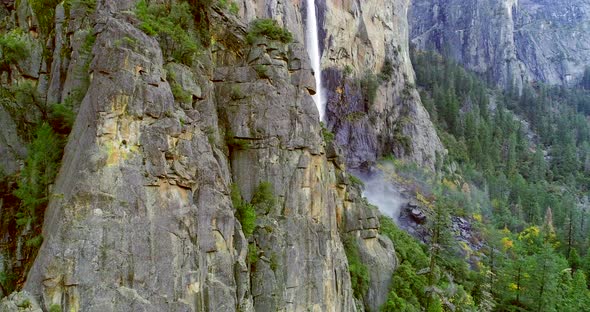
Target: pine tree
40, 170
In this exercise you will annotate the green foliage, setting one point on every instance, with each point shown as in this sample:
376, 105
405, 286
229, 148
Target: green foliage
8, 281
253, 254
402, 140
234, 8
262, 71
245, 212
263, 199
274, 262
355, 116
41, 167
408, 292
87, 5
34, 242
236, 93
327, 134
496, 174
44, 128
235, 143
347, 70
55, 308
229, 4
359, 275
369, 87
355, 180
387, 71
262, 202
44, 10
26, 304
180, 95
269, 29
22, 102
14, 47
173, 25
61, 118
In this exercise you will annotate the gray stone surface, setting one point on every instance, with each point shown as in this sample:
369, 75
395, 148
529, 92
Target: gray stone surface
508, 41
142, 218
143, 221
360, 41
19, 302
553, 39
376, 252
302, 265
12, 149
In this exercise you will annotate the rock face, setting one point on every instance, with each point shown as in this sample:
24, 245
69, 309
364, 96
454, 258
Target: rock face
142, 218
12, 148
19, 302
553, 39
508, 41
373, 107
476, 33
145, 221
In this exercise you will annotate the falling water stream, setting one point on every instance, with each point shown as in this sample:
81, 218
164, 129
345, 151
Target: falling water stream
313, 48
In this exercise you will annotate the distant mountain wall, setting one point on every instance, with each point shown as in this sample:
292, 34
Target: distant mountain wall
508, 41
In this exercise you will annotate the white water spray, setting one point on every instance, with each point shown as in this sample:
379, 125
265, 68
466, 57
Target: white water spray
313, 48
380, 192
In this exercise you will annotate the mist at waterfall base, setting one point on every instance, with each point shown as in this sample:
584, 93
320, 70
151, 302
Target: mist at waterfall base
313, 49
382, 193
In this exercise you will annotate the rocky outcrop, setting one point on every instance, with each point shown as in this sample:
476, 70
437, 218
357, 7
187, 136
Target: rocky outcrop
375, 251
358, 41
373, 107
272, 120
143, 220
509, 42
19, 302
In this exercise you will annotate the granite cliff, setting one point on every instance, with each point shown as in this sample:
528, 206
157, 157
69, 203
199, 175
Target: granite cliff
145, 211
197, 175
509, 42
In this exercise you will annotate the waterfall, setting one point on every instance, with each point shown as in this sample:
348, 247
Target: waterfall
313, 48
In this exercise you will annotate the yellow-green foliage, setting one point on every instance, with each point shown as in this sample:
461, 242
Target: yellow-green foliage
355, 180
180, 95
262, 202
231, 5
252, 254
55, 308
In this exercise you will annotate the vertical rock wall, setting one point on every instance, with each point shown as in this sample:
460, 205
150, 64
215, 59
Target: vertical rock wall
141, 217
509, 41
373, 107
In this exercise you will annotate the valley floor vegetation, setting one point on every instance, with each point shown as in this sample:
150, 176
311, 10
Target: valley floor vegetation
519, 169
